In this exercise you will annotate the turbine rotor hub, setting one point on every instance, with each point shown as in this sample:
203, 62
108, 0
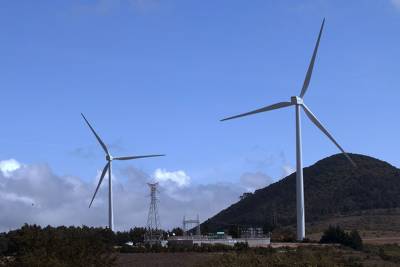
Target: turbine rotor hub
109, 158
296, 100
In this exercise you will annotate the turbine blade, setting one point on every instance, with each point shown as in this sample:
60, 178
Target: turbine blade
311, 66
314, 119
101, 180
95, 134
264, 109
138, 157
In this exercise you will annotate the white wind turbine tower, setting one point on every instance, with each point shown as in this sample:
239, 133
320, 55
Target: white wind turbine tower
298, 102
109, 159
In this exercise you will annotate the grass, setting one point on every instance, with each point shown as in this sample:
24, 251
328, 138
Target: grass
302, 256
312, 255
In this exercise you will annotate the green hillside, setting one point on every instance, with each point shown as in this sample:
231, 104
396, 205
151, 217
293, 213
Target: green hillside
332, 186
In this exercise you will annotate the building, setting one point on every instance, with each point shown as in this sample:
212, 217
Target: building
219, 238
252, 232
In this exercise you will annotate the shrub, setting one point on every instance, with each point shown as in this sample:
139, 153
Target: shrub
354, 240
339, 236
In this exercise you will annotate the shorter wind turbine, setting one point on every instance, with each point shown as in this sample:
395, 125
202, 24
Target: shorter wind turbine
298, 102
108, 168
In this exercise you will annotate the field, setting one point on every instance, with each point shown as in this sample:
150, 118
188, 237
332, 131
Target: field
184, 259
300, 255
375, 226
32, 245
379, 229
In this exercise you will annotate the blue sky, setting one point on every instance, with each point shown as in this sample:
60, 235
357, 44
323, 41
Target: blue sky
156, 77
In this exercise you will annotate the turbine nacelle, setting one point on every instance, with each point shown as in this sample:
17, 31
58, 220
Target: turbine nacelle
109, 158
296, 100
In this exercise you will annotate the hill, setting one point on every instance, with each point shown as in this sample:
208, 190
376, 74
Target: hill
332, 187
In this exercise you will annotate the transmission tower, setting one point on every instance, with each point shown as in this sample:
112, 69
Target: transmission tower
190, 222
153, 220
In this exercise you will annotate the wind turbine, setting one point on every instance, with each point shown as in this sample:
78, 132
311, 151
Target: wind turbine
109, 160
298, 102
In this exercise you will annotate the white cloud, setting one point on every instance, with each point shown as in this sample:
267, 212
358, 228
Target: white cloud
32, 193
396, 3
15, 198
252, 181
9, 166
287, 170
180, 178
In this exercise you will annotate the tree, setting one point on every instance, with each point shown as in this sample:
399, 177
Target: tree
3, 244
234, 231
137, 234
177, 231
73, 246
122, 238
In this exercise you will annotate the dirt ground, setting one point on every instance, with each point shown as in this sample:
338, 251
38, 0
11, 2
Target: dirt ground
370, 237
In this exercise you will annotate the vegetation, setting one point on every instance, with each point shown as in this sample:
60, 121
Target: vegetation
62, 246
32, 245
306, 255
84, 246
135, 235
332, 186
386, 255
177, 231
303, 256
336, 235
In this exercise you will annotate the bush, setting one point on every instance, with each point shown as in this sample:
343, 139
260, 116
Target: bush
354, 240
336, 235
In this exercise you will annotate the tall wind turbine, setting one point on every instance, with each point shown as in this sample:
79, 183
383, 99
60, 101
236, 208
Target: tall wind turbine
298, 102
108, 168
